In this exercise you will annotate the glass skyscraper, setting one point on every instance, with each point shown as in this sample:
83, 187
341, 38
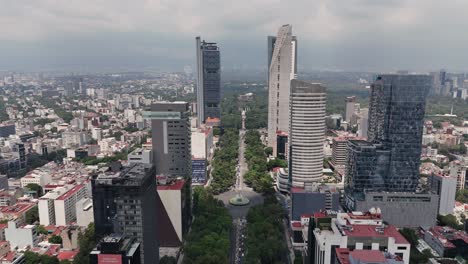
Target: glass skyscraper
389, 160
208, 80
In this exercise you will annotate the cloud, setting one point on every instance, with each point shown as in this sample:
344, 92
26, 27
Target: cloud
351, 34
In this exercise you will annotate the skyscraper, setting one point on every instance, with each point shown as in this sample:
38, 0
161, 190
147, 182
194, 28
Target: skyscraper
124, 203
171, 135
282, 61
307, 131
396, 113
350, 108
384, 170
208, 80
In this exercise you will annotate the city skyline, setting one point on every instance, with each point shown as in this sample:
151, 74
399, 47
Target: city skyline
346, 36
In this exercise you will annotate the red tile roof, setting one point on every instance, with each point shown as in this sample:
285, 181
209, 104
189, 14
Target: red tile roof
17, 208
368, 255
369, 231
71, 192
67, 255
177, 185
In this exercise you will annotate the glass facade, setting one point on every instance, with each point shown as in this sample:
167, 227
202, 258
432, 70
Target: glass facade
391, 160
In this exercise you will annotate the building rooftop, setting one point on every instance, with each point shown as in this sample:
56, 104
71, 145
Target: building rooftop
133, 175
446, 235
375, 231
71, 192
174, 185
17, 208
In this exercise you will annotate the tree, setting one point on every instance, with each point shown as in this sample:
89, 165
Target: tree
462, 196
35, 188
55, 239
168, 260
269, 151
32, 215
209, 237
410, 235
41, 230
449, 220
265, 241
86, 242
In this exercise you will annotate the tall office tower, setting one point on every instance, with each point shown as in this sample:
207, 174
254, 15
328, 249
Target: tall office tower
208, 80
124, 203
383, 171
389, 160
396, 117
282, 68
171, 139
350, 108
307, 132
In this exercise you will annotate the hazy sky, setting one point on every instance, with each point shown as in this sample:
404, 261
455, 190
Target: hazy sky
371, 35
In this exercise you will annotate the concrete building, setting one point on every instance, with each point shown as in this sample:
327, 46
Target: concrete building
399, 208
323, 233
445, 187
21, 237
17, 212
282, 180
458, 170
208, 80
365, 256
37, 176
362, 120
84, 212
171, 138
282, 68
116, 249
350, 103
140, 155
124, 203
96, 133
73, 139
58, 207
173, 207
201, 142
306, 132
339, 151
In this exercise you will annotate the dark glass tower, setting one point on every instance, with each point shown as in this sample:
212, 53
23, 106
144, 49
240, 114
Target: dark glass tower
389, 160
208, 80
124, 203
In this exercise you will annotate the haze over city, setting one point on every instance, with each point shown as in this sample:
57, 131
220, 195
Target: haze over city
358, 35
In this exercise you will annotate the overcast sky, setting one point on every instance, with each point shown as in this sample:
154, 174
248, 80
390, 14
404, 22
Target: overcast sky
374, 35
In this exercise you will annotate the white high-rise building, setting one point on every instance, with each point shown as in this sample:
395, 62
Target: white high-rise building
307, 132
282, 61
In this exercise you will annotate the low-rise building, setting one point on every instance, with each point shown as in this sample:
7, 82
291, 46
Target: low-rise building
17, 212
39, 176
446, 241
356, 231
357, 256
140, 155
21, 236
116, 249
